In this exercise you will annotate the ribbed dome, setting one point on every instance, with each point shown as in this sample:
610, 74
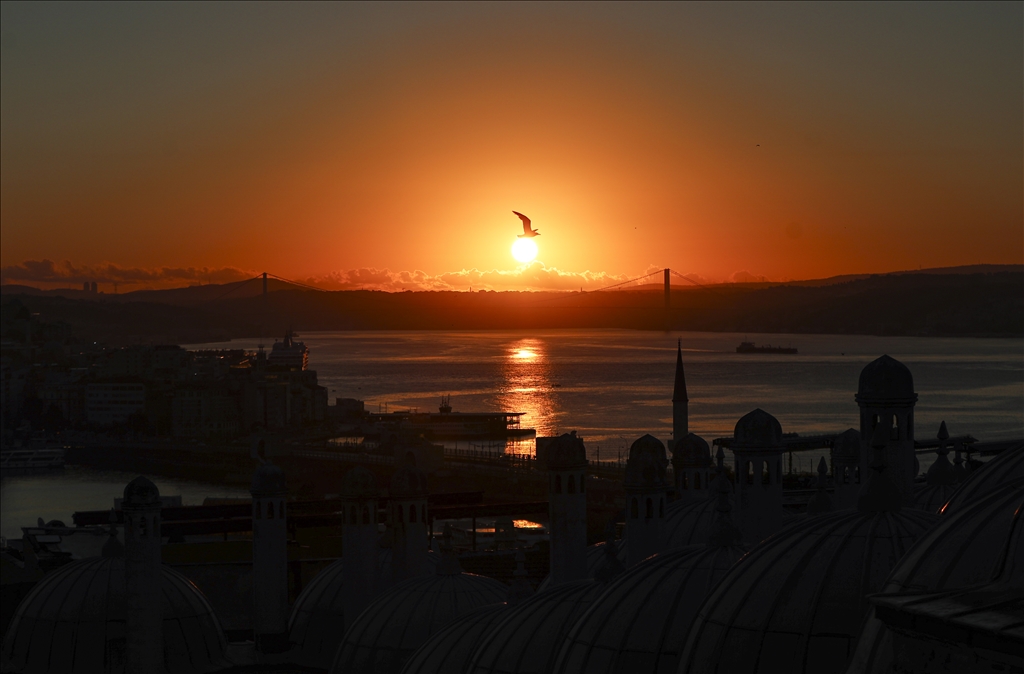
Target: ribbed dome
527, 639
408, 481
689, 523
359, 482
757, 430
268, 479
74, 621
931, 497
885, 379
846, 447
646, 464
692, 452
141, 492
641, 621
450, 650
401, 620
565, 452
1006, 467
317, 622
960, 551
797, 601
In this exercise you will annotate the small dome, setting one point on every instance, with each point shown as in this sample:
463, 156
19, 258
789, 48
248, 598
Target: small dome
640, 622
401, 620
960, 551
1006, 467
565, 452
846, 448
527, 639
757, 430
408, 481
646, 464
317, 623
796, 602
692, 452
359, 482
74, 621
885, 379
268, 479
140, 492
450, 649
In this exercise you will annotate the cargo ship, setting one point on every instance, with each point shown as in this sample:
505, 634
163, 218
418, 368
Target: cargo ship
750, 347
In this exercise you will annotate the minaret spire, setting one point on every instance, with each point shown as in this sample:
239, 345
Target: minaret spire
680, 401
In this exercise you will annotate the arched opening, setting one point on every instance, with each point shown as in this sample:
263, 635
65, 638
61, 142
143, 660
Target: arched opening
366, 515
412, 514
142, 527
558, 484
571, 487
894, 434
750, 472
270, 510
634, 509
649, 510
766, 477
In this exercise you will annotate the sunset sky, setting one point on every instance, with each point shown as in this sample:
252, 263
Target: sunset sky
351, 144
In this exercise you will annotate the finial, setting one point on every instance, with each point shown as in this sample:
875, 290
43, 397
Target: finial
449, 565
611, 566
723, 532
943, 433
520, 588
820, 502
880, 493
941, 472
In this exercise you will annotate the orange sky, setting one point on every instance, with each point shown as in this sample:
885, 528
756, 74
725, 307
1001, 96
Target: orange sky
318, 139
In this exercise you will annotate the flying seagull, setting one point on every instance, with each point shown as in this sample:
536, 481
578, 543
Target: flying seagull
528, 232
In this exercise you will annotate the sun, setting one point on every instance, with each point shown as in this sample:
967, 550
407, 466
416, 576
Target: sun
524, 250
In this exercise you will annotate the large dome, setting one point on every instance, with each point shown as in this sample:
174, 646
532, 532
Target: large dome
757, 430
317, 622
1006, 467
796, 602
450, 650
74, 621
527, 639
960, 551
640, 622
401, 620
885, 379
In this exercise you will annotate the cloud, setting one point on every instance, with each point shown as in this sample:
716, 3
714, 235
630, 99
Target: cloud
48, 272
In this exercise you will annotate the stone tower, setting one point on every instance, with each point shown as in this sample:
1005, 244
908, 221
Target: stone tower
269, 559
757, 446
845, 455
567, 508
691, 465
886, 396
646, 489
408, 507
143, 575
359, 493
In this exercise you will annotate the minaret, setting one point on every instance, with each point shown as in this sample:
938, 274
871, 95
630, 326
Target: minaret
359, 540
680, 402
757, 446
269, 559
645, 499
724, 533
567, 508
408, 506
143, 575
885, 394
691, 463
846, 451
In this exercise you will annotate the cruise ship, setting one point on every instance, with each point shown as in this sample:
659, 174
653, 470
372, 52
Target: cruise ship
289, 354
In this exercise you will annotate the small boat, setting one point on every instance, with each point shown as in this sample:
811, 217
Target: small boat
31, 459
750, 347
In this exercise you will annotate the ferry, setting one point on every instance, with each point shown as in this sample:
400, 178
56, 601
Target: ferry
31, 459
448, 425
750, 347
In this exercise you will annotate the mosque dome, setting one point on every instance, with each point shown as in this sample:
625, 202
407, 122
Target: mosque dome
450, 650
646, 464
565, 452
640, 622
141, 492
74, 619
268, 479
796, 602
846, 447
317, 622
401, 620
408, 481
529, 635
692, 452
359, 483
757, 430
885, 379
1006, 467
958, 552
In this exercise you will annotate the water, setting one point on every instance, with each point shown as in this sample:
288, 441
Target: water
613, 386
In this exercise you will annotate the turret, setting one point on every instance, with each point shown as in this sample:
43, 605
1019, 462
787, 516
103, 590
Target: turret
359, 495
886, 397
846, 452
691, 463
408, 506
143, 577
757, 446
645, 499
269, 559
821, 502
567, 508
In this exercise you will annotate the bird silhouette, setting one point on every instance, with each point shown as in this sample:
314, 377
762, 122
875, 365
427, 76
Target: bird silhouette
528, 232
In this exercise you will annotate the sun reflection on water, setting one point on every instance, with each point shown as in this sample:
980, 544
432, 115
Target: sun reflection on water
527, 388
